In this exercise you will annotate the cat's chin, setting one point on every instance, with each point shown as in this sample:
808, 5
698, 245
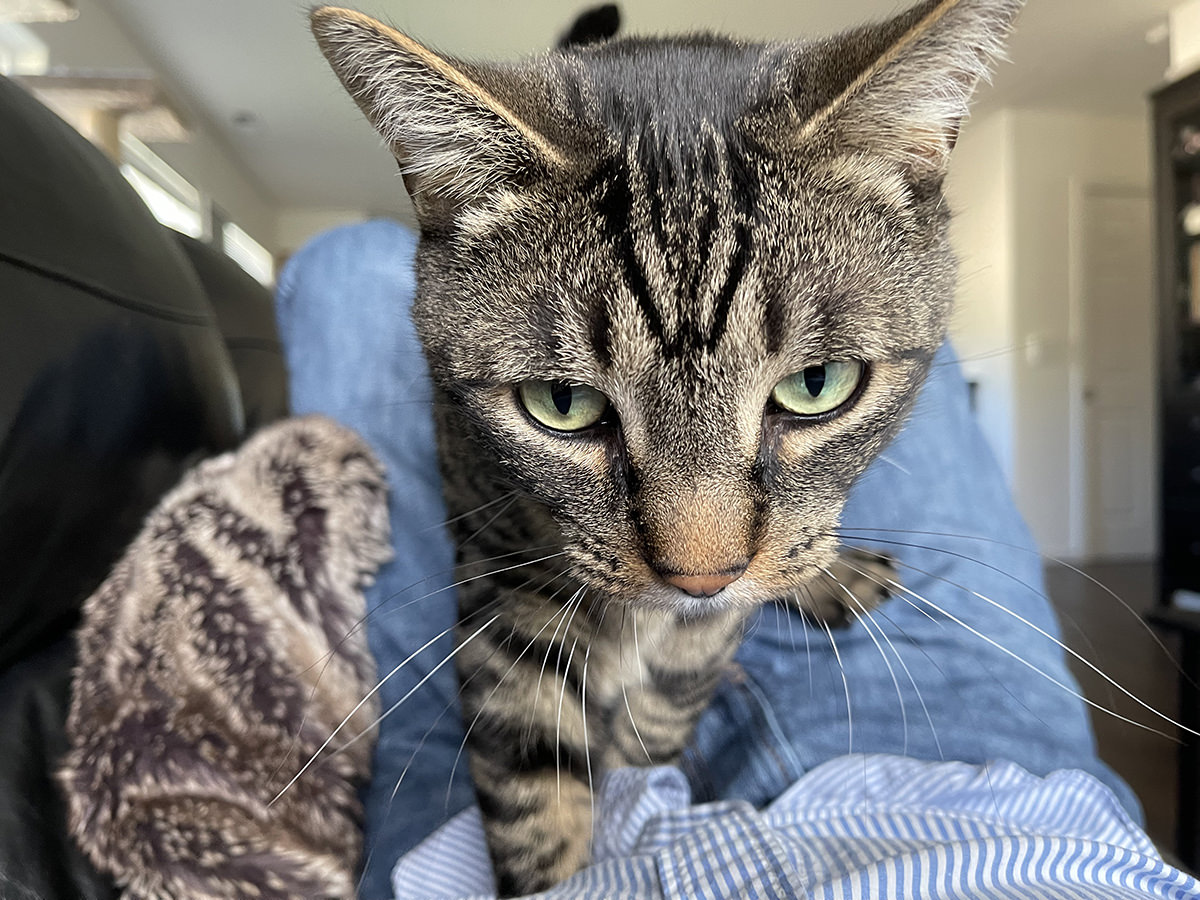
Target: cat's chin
685, 606
671, 600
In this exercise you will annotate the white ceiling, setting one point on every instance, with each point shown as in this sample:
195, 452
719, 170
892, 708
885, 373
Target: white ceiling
311, 148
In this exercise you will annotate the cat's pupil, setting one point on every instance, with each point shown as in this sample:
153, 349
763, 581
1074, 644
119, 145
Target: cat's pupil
562, 394
814, 379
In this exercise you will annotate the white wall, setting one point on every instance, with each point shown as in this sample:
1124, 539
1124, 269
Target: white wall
983, 328
1185, 39
1013, 176
1053, 152
96, 41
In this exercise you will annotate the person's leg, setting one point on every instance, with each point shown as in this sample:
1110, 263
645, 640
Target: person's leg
343, 309
947, 668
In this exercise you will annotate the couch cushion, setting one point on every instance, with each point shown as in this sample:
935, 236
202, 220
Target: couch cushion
246, 316
113, 370
113, 377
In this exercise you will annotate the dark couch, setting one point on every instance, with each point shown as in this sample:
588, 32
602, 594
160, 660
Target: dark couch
127, 352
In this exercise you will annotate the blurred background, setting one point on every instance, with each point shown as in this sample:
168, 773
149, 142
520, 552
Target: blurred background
226, 120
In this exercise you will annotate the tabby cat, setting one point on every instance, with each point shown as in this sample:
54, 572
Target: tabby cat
675, 294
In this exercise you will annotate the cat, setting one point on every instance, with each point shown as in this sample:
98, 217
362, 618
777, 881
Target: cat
675, 295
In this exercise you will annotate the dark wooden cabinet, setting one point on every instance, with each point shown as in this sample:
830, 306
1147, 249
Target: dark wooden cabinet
1177, 178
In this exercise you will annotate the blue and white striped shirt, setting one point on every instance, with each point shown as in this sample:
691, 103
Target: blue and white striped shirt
856, 827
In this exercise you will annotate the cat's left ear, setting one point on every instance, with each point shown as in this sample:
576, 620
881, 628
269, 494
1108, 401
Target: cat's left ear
457, 142
900, 90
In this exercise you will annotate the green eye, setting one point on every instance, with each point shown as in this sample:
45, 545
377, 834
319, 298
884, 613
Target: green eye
562, 406
818, 389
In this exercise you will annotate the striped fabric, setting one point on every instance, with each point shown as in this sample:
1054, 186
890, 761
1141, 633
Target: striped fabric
856, 827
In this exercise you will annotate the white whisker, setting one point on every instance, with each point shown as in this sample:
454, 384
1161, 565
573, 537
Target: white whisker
859, 610
445, 709
375, 690
846, 685
637, 650
558, 613
470, 512
883, 457
1039, 671
558, 722
488, 524
565, 623
378, 607
587, 747
1068, 650
808, 645
1029, 552
637, 733
900, 659
466, 580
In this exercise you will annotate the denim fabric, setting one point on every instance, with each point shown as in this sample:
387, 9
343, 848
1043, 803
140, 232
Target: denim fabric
342, 303
962, 668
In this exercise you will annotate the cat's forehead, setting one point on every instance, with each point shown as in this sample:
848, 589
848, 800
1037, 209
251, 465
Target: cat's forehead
659, 87
691, 271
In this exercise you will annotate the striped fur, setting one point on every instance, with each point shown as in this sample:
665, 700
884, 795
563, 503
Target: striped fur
217, 658
679, 224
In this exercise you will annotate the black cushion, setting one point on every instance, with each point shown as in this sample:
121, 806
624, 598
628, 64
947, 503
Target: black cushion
114, 371
38, 860
113, 378
246, 316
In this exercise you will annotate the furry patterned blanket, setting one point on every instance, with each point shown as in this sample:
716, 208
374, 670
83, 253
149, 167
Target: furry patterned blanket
219, 656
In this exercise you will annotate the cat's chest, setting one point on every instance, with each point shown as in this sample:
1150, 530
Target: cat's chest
649, 651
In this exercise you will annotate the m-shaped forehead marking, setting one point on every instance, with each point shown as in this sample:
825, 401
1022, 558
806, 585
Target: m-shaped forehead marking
615, 205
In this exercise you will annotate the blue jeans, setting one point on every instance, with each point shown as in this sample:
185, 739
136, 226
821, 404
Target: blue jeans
959, 665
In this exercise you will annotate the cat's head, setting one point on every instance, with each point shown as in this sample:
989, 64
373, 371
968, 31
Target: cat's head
683, 289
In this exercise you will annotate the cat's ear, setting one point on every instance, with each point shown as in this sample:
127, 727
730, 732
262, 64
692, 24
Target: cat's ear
456, 142
901, 89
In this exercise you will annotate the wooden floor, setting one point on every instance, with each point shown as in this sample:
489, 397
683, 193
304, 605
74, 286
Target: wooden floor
1099, 627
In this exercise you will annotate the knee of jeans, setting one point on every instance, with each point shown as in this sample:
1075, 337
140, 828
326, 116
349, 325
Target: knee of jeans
352, 251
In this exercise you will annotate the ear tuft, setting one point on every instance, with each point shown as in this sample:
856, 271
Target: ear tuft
456, 142
912, 96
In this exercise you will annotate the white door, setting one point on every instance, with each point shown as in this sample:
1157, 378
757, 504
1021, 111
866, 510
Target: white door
1119, 372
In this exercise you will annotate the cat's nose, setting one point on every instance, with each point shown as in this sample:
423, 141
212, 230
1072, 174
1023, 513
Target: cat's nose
708, 584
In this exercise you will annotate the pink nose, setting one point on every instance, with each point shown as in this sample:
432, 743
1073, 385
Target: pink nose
706, 585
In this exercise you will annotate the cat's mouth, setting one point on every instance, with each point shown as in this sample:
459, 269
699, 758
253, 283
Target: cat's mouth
767, 571
747, 587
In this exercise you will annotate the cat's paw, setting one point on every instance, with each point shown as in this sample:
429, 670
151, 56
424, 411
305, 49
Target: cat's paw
849, 588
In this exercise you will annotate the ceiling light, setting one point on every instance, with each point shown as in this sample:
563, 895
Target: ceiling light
135, 99
37, 10
245, 120
21, 51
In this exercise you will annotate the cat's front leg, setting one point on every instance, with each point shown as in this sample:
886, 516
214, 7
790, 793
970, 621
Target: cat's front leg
533, 756
538, 820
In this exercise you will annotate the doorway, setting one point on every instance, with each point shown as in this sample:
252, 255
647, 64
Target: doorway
1115, 427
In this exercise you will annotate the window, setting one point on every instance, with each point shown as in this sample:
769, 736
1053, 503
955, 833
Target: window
248, 253
176, 203
21, 51
170, 197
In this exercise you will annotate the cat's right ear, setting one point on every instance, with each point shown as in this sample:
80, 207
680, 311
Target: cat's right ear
456, 142
895, 92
